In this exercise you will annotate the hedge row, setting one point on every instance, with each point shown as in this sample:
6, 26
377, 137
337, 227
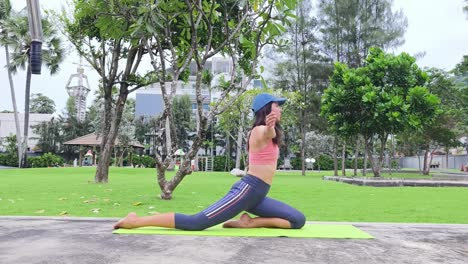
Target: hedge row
43, 161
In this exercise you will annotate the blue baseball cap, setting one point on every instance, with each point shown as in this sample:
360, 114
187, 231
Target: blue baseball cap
263, 99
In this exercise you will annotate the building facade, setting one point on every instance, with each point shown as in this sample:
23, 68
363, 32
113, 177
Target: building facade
149, 100
8, 127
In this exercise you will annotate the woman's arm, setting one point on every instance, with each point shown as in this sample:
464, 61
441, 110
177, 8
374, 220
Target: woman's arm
269, 130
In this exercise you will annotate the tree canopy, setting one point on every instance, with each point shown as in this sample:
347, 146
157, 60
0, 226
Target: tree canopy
381, 98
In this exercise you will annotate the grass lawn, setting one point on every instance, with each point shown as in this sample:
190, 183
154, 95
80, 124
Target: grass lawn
71, 192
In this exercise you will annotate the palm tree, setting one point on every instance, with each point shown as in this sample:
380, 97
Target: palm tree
5, 12
52, 55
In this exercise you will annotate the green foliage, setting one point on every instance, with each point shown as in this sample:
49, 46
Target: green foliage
391, 80
386, 96
20, 42
350, 28
187, 31
296, 163
324, 162
11, 157
9, 160
223, 163
50, 135
301, 67
11, 145
5, 9
182, 112
42, 104
143, 161
45, 160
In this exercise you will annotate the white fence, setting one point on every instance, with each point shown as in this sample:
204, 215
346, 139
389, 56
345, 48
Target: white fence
444, 162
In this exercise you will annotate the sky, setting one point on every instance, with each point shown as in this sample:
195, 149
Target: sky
437, 27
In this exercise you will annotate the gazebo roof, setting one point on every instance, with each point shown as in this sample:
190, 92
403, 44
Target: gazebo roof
93, 140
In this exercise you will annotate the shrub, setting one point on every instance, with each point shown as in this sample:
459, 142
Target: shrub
296, 163
220, 163
143, 161
324, 162
46, 160
136, 160
148, 162
10, 160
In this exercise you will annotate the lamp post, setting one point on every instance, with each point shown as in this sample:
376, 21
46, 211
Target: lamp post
35, 29
310, 163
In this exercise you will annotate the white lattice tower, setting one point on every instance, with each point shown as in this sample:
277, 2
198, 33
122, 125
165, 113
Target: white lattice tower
78, 87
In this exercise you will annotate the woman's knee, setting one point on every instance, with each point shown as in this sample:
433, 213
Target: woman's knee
195, 222
297, 220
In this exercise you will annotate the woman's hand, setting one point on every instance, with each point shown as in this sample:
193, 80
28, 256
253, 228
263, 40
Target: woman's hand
271, 119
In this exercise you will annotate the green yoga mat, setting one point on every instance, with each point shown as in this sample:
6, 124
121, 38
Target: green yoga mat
308, 231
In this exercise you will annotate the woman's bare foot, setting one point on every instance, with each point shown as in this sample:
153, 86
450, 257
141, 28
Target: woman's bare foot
126, 222
243, 222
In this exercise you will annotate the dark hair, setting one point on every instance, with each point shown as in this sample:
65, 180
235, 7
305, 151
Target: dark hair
260, 117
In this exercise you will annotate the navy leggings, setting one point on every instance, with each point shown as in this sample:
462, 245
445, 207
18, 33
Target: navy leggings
248, 194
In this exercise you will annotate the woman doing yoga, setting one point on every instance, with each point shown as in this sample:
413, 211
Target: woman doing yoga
249, 194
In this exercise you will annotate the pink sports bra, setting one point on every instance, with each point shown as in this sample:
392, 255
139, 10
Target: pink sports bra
266, 156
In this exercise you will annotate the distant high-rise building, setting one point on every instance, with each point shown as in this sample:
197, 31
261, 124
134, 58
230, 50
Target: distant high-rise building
78, 88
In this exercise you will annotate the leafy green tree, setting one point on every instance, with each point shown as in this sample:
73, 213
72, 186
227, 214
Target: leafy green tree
381, 98
351, 28
182, 112
440, 132
460, 78
317, 144
20, 41
304, 70
50, 135
42, 104
5, 14
234, 122
11, 145
72, 128
143, 127
106, 35
197, 31
126, 133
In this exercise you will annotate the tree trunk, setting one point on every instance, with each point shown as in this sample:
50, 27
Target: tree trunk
356, 154
446, 157
419, 162
374, 164
27, 95
424, 170
335, 159
240, 134
343, 160
102, 172
15, 108
364, 165
383, 142
426, 160
303, 149
167, 187
392, 153
168, 136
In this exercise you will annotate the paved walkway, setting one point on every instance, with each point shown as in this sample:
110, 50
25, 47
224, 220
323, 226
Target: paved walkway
41, 240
